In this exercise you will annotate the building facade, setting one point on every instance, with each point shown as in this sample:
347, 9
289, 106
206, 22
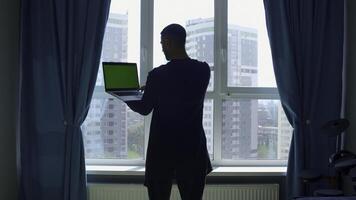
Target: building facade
239, 117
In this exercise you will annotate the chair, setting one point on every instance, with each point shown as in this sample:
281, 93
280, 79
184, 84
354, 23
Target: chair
341, 161
348, 167
353, 179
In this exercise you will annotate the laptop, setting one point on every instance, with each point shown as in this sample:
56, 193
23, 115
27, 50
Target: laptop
121, 80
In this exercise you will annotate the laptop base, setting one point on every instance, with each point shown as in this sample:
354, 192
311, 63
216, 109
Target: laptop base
137, 97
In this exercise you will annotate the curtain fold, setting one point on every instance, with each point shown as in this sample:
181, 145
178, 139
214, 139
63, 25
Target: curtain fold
306, 38
61, 43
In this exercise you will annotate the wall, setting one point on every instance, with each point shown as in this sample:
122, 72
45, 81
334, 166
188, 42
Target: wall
350, 61
9, 68
351, 74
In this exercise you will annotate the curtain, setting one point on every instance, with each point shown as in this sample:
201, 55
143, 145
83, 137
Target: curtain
61, 43
306, 38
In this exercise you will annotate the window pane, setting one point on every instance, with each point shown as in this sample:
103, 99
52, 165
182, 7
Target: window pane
122, 35
254, 130
208, 119
249, 54
111, 129
197, 18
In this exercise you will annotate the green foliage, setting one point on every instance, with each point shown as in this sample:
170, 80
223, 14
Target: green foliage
135, 140
133, 155
266, 152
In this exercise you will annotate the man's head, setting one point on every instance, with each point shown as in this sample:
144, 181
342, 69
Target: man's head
173, 40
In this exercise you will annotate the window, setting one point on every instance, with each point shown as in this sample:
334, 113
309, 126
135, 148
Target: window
243, 119
257, 132
253, 122
120, 130
249, 56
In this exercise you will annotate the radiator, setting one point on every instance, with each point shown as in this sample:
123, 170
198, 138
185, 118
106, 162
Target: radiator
211, 192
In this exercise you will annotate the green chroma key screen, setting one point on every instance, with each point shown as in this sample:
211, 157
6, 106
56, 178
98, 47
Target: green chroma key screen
120, 76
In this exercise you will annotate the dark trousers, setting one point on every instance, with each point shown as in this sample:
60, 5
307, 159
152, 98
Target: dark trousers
189, 189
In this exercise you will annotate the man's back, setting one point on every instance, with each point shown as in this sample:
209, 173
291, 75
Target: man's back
175, 92
180, 87
177, 137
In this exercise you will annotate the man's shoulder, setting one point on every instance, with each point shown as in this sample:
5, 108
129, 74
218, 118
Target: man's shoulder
157, 69
200, 63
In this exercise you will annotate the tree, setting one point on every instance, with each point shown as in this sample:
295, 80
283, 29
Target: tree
135, 139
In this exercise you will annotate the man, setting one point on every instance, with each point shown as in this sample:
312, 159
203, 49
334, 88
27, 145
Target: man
177, 143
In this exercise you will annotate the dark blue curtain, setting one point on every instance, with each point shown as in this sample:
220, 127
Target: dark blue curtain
61, 43
306, 38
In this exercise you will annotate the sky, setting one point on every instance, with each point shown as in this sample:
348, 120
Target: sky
248, 13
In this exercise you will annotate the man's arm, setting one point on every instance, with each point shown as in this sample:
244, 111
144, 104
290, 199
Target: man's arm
145, 105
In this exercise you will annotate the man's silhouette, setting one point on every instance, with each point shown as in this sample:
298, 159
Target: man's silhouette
177, 143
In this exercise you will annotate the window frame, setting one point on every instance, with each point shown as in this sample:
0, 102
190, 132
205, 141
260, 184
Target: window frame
220, 92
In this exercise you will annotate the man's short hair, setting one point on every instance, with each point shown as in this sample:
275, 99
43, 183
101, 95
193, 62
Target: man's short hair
175, 32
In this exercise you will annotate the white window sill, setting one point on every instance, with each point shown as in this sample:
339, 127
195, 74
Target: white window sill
218, 171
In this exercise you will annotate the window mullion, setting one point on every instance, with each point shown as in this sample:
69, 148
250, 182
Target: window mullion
220, 58
146, 53
252, 92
